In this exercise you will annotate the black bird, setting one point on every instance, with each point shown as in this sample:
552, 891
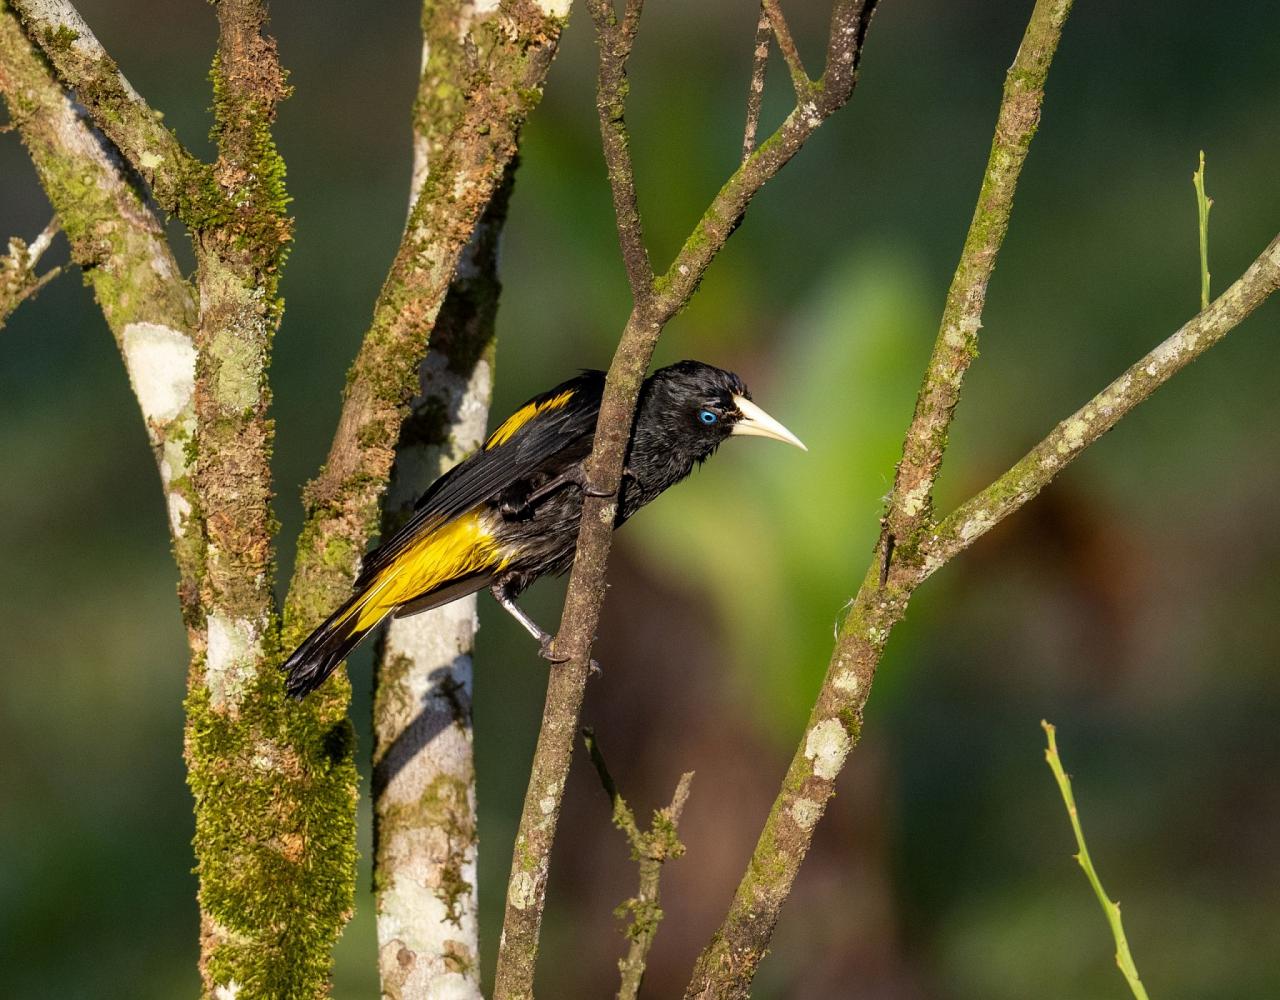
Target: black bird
509, 512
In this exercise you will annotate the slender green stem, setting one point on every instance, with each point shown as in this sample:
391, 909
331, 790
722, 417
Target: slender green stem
1111, 908
1203, 204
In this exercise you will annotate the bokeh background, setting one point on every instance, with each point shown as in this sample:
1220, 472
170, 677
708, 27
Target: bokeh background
1135, 603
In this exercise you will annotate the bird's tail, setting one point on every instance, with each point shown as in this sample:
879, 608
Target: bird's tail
325, 648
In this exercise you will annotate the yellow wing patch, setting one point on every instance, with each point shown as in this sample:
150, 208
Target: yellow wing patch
522, 416
464, 545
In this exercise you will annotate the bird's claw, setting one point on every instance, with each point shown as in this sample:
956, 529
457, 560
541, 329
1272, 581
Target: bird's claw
546, 649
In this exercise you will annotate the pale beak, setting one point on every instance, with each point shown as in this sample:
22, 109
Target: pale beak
757, 423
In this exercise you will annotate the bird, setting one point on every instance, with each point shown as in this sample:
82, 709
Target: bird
509, 512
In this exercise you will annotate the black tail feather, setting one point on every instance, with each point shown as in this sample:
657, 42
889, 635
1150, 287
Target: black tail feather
323, 651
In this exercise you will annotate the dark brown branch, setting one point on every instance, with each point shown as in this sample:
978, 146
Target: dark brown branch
615, 40
526, 888
650, 848
787, 46
755, 94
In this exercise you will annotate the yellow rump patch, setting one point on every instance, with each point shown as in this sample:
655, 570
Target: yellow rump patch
522, 416
456, 549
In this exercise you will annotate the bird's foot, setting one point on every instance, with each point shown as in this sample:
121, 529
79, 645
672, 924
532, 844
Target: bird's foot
546, 649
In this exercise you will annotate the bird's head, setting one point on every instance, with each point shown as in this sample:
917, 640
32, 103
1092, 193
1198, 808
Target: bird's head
697, 406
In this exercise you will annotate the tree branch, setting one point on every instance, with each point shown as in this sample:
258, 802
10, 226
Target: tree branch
651, 849
120, 244
755, 93
274, 782
424, 774
1038, 467
18, 278
526, 889
178, 180
614, 41
727, 965
787, 46
910, 505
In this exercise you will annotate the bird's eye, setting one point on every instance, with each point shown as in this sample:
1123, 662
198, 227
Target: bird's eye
707, 417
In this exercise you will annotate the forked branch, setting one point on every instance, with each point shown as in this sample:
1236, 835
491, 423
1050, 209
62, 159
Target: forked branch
177, 179
18, 278
526, 889
650, 849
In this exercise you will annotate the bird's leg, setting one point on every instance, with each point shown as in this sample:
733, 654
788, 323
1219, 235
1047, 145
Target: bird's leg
545, 638
575, 475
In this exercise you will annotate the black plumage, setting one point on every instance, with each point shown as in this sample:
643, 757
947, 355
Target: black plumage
509, 513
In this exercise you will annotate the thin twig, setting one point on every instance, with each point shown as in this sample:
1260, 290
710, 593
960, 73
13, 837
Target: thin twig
728, 963
650, 848
615, 40
526, 889
18, 278
1203, 204
1124, 960
755, 94
787, 46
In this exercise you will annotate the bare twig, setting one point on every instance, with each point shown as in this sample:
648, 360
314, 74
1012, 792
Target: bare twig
18, 278
755, 94
650, 848
1038, 467
787, 46
526, 889
178, 180
1124, 960
727, 965
615, 40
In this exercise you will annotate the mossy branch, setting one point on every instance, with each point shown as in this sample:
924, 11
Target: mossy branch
1124, 960
526, 888
650, 849
177, 179
120, 244
910, 504
725, 968
18, 278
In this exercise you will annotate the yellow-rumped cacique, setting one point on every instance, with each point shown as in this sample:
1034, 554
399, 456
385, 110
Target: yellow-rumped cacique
509, 512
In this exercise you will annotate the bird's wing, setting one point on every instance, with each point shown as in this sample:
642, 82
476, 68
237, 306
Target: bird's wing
546, 426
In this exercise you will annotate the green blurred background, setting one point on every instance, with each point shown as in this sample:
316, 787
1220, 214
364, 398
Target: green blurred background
1134, 604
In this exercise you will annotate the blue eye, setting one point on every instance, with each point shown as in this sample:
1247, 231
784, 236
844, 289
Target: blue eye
707, 417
